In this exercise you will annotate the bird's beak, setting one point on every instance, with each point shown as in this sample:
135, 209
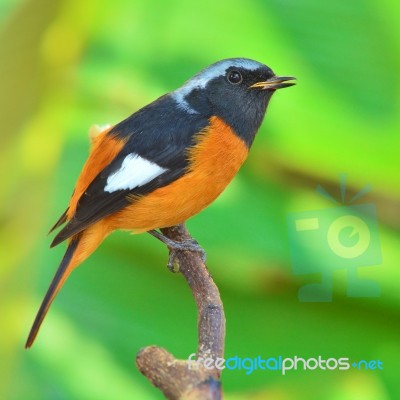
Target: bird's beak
276, 82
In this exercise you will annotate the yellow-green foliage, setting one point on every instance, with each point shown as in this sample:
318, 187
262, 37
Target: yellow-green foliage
65, 65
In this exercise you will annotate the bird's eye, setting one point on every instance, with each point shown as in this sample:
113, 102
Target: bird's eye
234, 77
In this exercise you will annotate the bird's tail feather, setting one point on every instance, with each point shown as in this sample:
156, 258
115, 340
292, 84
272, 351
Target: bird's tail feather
79, 248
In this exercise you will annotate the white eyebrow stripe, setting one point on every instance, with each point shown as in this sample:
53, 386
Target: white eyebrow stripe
179, 97
201, 79
135, 171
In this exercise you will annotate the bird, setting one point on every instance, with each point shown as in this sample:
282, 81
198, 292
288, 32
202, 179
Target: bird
164, 163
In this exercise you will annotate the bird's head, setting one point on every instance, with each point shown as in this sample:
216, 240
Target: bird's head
236, 89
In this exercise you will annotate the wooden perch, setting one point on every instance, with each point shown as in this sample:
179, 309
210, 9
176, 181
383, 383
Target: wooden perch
176, 378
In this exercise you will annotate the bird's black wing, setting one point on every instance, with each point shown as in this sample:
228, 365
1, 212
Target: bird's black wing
159, 133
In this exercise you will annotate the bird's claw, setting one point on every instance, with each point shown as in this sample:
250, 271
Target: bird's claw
174, 247
186, 245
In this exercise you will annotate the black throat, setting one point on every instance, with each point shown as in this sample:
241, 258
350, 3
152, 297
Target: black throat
246, 119
243, 112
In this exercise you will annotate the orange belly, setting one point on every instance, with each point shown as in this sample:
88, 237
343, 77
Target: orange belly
214, 160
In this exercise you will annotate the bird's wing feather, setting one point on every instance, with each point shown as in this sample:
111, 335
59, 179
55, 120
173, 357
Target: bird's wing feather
154, 154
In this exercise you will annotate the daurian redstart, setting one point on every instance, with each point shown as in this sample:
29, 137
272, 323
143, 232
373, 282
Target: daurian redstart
164, 163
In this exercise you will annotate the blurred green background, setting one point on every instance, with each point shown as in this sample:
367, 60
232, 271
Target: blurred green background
65, 65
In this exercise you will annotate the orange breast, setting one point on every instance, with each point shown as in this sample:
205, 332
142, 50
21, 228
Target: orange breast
214, 160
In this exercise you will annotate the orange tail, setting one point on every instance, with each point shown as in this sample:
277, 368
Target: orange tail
80, 247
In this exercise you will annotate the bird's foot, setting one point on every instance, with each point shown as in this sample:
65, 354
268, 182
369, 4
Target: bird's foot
174, 247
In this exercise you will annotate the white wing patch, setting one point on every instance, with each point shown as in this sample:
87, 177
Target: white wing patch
135, 171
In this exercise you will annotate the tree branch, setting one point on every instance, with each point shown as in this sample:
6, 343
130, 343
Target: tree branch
178, 379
